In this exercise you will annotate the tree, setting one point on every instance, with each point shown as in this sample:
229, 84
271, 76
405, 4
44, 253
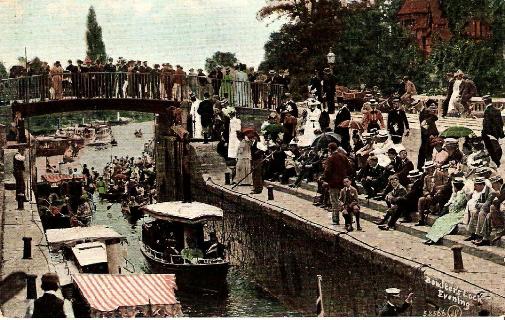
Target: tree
94, 41
3, 71
225, 59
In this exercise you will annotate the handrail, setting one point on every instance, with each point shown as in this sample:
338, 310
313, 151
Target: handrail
154, 85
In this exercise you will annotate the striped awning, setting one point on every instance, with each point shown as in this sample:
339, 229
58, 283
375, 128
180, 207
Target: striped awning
107, 292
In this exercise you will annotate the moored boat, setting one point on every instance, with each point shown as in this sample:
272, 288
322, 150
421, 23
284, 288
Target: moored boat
126, 296
174, 243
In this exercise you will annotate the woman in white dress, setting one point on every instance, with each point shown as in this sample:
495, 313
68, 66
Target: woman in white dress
233, 142
240, 84
311, 123
454, 101
243, 167
196, 118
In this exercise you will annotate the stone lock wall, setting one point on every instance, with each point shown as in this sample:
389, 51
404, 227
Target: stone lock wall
284, 254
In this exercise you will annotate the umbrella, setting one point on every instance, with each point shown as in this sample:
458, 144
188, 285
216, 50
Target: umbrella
120, 176
352, 124
457, 132
250, 133
322, 140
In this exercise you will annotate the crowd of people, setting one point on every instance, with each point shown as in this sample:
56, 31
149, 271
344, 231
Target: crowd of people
137, 79
455, 181
129, 180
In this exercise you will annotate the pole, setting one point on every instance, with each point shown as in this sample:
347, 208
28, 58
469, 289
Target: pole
320, 306
250, 172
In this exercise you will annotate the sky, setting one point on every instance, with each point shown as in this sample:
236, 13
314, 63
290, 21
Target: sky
177, 31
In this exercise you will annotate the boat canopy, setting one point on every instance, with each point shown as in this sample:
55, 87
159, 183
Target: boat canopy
190, 213
90, 253
125, 295
57, 238
60, 177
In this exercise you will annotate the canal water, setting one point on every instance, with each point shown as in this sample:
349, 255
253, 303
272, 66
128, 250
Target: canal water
243, 298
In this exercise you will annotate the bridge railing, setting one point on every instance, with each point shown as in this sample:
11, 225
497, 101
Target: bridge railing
138, 86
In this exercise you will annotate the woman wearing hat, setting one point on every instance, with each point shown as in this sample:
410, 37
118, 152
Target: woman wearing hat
227, 86
456, 207
373, 119
454, 105
56, 73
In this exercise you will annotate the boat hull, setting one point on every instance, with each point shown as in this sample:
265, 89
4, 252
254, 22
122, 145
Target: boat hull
202, 277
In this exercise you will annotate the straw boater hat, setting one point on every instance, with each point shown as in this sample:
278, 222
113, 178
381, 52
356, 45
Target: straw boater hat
393, 292
482, 171
494, 179
479, 180
451, 142
382, 134
458, 180
373, 102
428, 164
414, 174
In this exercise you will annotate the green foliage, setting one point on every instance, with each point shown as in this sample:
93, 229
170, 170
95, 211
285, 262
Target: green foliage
225, 59
3, 71
95, 46
372, 48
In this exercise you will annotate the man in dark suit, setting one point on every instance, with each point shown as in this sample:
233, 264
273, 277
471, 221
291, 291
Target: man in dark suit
427, 119
206, 112
49, 305
390, 308
73, 76
492, 130
397, 122
467, 90
343, 114
315, 86
450, 87
110, 70
329, 82
405, 204
371, 177
336, 168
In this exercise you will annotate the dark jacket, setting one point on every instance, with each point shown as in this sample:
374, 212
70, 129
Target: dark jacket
409, 201
48, 306
336, 168
397, 122
492, 124
388, 310
403, 171
342, 115
431, 119
450, 88
206, 111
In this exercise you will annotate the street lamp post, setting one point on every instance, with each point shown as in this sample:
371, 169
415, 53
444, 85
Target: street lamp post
331, 58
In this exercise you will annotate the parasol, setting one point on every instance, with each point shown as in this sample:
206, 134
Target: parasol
322, 140
352, 124
120, 176
250, 133
457, 132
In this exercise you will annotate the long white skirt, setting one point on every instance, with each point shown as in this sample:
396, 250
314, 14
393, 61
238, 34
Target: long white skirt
243, 169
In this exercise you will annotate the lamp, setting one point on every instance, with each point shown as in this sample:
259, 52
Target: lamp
331, 57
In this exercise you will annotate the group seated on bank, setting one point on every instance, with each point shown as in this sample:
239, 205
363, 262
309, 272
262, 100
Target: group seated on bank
457, 187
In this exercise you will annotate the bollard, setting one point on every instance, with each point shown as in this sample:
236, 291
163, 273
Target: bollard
227, 178
270, 192
205, 138
27, 247
21, 201
458, 259
31, 287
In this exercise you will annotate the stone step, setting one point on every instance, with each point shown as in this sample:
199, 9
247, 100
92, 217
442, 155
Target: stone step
374, 211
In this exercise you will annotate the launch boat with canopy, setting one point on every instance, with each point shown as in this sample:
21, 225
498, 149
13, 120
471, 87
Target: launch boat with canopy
174, 243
